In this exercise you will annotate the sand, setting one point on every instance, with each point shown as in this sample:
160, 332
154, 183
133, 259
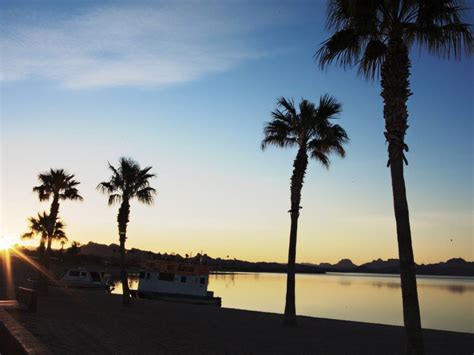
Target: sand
89, 322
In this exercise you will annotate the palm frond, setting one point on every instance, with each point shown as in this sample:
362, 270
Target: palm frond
106, 187
361, 30
114, 198
57, 182
288, 105
59, 225
71, 193
43, 194
146, 195
278, 141
446, 41
27, 236
329, 108
128, 180
372, 59
343, 48
320, 158
279, 134
310, 129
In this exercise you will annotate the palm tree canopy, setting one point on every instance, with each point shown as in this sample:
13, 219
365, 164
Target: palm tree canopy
310, 128
128, 181
362, 30
57, 182
39, 227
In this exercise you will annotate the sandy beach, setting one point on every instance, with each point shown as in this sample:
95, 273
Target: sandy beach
88, 322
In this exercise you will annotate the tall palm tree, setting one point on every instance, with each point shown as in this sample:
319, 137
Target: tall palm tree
38, 227
376, 36
312, 133
56, 185
128, 181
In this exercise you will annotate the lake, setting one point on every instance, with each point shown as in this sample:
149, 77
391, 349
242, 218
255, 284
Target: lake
447, 303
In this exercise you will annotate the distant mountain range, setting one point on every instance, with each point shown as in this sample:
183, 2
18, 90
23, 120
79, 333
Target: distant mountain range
454, 267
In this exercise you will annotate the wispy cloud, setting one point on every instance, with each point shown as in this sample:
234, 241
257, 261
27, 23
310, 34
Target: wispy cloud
131, 45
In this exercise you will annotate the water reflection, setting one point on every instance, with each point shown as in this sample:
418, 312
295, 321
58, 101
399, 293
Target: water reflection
448, 287
132, 284
446, 303
456, 285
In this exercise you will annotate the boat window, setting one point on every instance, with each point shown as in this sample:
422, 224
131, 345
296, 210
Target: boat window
95, 276
183, 278
83, 274
142, 275
74, 273
203, 280
166, 276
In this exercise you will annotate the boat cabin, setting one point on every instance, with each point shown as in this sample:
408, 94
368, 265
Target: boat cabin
82, 277
174, 278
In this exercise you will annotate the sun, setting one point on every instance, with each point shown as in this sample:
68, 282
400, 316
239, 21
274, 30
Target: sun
6, 243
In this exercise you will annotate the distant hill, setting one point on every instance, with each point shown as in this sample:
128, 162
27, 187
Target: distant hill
135, 256
96, 249
454, 267
343, 265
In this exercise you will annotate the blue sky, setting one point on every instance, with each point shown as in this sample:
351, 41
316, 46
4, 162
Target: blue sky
186, 88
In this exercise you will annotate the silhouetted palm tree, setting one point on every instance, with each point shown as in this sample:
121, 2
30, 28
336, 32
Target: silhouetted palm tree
58, 236
56, 185
38, 227
376, 36
128, 181
311, 132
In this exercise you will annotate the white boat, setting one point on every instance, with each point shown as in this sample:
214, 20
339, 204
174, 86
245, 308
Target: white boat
177, 282
82, 277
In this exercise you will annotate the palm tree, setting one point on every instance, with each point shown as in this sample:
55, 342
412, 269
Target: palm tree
56, 185
128, 181
39, 227
311, 132
62, 242
376, 36
58, 236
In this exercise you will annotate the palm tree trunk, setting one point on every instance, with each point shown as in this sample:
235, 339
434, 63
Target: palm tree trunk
41, 252
42, 247
50, 242
53, 215
122, 219
395, 93
299, 170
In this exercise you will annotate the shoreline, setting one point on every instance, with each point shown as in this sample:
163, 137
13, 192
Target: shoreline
341, 273
76, 321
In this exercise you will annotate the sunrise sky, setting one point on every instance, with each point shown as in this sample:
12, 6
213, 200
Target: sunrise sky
186, 87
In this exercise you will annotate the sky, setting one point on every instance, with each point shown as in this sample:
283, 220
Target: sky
186, 87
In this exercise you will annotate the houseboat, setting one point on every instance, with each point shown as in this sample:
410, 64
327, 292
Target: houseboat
179, 282
82, 277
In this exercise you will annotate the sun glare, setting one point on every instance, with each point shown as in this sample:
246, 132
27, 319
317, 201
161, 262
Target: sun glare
6, 243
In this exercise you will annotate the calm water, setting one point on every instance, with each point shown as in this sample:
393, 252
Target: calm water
446, 303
